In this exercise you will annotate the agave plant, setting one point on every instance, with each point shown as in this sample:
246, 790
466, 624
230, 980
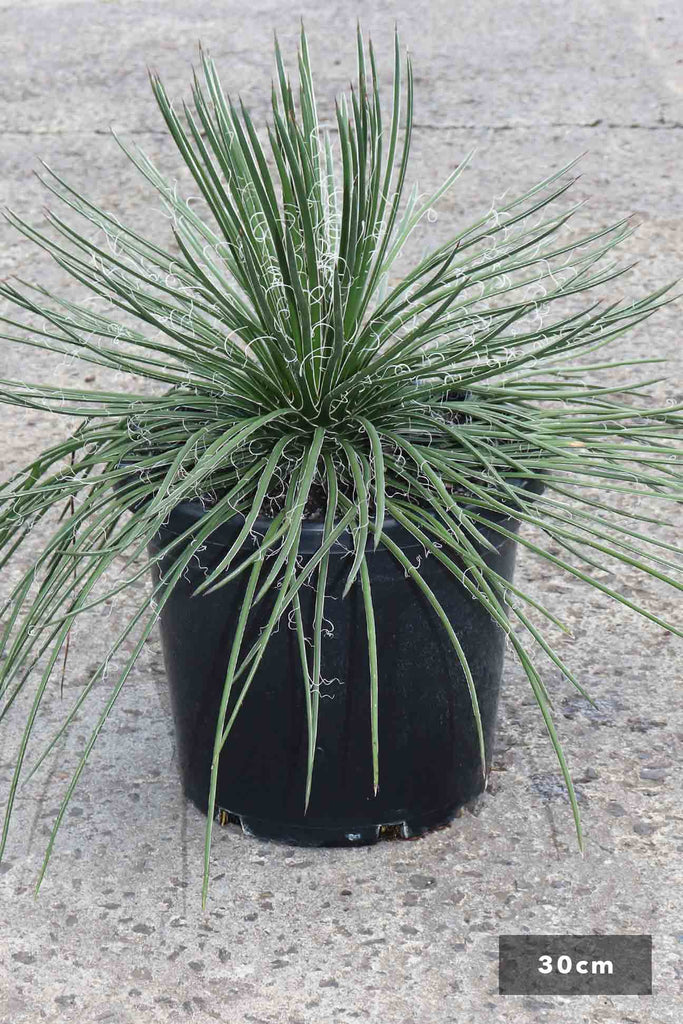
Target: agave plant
285, 370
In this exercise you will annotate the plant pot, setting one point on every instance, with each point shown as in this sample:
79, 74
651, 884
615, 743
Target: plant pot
429, 764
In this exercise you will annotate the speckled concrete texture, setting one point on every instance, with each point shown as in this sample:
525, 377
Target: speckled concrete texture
405, 932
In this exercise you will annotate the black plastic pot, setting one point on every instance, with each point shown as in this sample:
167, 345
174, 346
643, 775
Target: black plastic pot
429, 763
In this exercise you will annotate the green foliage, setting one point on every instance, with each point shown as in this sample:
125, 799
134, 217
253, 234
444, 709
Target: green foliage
291, 371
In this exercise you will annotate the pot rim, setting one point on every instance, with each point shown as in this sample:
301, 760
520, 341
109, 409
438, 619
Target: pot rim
312, 529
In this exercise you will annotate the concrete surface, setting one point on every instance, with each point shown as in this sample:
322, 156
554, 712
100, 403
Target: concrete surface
403, 933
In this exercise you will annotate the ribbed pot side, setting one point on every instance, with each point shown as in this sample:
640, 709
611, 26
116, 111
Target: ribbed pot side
429, 763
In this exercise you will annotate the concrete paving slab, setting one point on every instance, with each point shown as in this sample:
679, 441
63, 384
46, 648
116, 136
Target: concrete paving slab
405, 932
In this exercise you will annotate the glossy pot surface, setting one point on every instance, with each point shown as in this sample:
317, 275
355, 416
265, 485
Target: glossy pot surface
429, 763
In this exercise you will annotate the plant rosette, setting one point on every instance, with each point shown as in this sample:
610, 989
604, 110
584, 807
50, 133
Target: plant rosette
357, 450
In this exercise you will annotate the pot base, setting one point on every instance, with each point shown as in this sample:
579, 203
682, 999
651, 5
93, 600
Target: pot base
366, 835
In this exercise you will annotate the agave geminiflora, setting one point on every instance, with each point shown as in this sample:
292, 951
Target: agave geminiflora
287, 362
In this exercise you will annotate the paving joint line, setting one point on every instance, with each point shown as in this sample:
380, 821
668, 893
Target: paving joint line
417, 126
